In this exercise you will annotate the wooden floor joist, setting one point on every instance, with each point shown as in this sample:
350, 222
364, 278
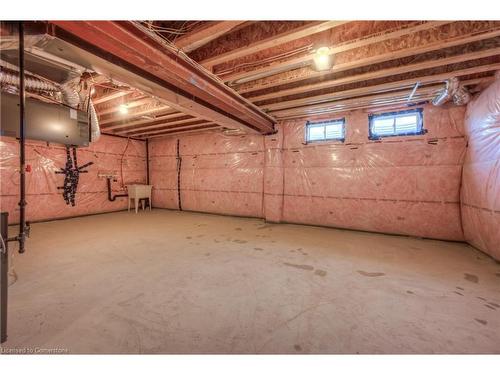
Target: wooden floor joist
307, 59
132, 104
377, 74
275, 40
110, 96
380, 88
131, 115
198, 123
205, 34
163, 116
179, 132
148, 127
370, 101
400, 101
393, 55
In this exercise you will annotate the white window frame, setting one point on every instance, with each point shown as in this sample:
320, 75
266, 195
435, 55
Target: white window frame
324, 124
420, 123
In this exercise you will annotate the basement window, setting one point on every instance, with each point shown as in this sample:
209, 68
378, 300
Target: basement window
400, 123
333, 130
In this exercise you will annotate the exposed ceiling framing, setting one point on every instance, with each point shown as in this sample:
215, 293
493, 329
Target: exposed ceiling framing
183, 85
205, 34
272, 41
375, 63
263, 71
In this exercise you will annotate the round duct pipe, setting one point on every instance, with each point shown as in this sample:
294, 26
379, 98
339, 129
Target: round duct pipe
461, 96
445, 95
452, 91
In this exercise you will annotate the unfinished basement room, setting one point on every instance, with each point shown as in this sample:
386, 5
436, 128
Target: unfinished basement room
250, 187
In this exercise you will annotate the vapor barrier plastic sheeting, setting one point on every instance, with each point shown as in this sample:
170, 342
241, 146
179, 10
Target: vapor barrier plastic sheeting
44, 200
403, 185
219, 173
481, 172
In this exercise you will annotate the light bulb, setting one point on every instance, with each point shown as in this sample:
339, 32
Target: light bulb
322, 59
123, 108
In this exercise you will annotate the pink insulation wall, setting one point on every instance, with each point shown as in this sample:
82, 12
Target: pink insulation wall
481, 172
44, 200
401, 185
219, 174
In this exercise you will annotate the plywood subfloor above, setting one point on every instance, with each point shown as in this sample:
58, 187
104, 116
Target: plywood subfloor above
178, 282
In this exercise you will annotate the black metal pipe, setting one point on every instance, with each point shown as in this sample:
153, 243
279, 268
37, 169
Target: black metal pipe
4, 277
179, 166
22, 143
147, 161
112, 197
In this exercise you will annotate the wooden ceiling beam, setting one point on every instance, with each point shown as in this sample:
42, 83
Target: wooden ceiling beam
275, 40
205, 34
378, 74
179, 132
129, 49
379, 88
393, 55
347, 46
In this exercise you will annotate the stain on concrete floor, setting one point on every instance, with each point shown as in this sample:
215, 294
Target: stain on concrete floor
371, 274
472, 278
320, 272
300, 266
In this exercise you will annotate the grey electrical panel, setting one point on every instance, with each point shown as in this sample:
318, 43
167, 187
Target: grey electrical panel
50, 122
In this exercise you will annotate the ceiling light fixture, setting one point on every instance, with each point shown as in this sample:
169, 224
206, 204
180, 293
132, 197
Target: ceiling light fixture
123, 109
322, 59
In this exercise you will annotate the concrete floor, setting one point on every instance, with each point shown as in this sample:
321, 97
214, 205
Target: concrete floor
172, 282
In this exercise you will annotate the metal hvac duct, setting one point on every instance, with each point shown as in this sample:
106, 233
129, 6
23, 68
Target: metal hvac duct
453, 91
461, 96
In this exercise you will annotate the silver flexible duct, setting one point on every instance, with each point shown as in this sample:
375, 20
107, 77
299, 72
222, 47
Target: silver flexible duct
462, 96
69, 95
453, 91
94, 123
33, 84
445, 95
